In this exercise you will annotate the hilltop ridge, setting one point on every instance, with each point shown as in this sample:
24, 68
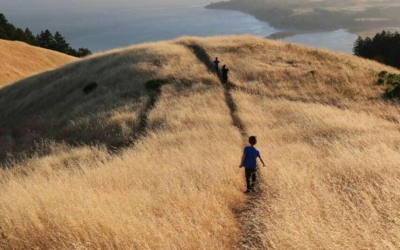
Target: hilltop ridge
19, 60
149, 159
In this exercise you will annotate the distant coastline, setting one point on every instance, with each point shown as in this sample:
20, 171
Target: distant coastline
316, 20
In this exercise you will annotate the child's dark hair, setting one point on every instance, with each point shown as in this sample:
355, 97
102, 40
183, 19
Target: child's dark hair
253, 140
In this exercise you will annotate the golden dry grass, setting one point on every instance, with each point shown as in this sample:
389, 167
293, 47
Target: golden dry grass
19, 60
161, 194
330, 140
333, 177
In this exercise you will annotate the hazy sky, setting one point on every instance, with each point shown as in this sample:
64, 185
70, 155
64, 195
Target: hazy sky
98, 3
55, 14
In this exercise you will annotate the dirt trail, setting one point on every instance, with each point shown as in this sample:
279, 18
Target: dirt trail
139, 130
202, 56
143, 117
251, 228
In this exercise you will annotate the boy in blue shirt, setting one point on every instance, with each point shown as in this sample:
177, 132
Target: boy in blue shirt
249, 162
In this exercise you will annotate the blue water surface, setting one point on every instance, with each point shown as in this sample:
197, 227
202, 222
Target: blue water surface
101, 28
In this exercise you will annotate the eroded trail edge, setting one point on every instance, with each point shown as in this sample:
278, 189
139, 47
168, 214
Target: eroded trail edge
141, 129
143, 117
250, 226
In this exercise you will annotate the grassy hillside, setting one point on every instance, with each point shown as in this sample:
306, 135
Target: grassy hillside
19, 60
133, 167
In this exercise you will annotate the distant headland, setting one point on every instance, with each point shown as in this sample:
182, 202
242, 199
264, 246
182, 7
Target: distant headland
303, 17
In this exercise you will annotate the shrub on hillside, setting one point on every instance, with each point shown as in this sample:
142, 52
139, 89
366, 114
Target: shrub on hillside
393, 92
313, 72
156, 84
392, 82
383, 73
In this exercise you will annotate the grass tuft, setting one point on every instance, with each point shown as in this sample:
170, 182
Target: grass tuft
156, 84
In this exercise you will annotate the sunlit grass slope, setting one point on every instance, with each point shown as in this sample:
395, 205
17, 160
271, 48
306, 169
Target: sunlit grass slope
19, 60
332, 143
102, 178
174, 189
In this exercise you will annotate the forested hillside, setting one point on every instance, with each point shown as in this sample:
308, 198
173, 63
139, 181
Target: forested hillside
45, 39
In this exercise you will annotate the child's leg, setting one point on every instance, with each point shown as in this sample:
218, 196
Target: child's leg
248, 178
254, 176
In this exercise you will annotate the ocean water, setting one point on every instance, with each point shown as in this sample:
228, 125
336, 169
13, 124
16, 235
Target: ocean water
338, 40
103, 27
168, 23
118, 27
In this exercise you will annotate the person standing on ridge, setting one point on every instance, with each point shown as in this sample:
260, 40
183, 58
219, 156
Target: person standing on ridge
216, 65
249, 162
225, 71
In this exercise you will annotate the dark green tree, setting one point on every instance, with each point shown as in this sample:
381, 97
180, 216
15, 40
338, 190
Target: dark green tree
7, 30
384, 47
358, 46
61, 44
20, 35
30, 37
3, 20
3, 34
82, 52
46, 40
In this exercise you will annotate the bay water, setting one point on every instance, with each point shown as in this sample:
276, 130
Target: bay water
101, 28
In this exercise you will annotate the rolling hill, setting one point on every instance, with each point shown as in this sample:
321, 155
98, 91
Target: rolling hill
19, 60
149, 159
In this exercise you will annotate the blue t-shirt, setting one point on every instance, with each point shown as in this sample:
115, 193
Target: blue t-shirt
250, 159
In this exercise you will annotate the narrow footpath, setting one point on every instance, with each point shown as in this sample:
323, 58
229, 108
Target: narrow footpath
143, 116
250, 227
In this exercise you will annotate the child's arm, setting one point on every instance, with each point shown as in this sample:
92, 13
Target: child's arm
241, 162
262, 161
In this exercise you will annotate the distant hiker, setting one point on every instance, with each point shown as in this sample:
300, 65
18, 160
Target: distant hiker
216, 65
225, 71
249, 162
